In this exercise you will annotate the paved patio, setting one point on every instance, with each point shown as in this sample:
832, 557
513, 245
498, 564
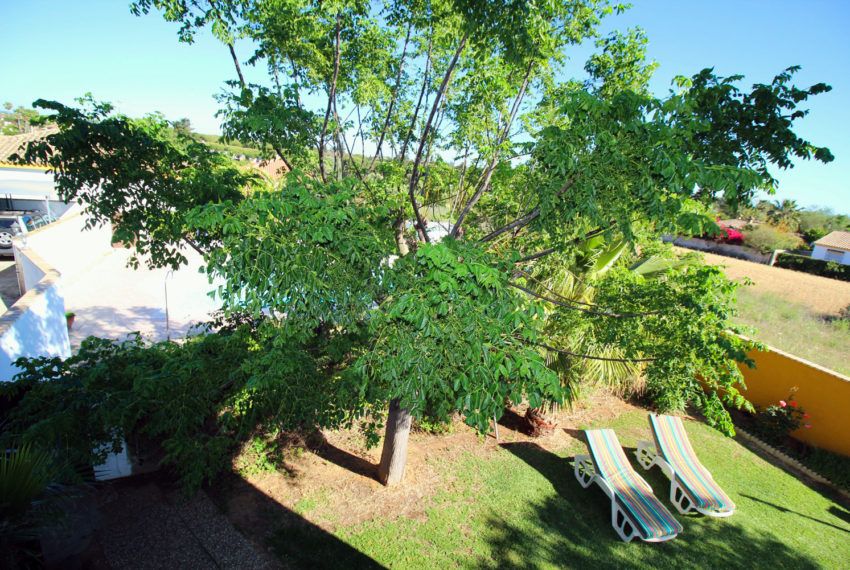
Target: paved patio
109, 298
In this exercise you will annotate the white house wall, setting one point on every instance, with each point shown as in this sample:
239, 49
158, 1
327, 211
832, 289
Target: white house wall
819, 252
35, 325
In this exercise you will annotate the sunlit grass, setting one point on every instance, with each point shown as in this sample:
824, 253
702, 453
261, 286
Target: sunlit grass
522, 508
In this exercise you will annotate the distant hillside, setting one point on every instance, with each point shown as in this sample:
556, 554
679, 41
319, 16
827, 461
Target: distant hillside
214, 141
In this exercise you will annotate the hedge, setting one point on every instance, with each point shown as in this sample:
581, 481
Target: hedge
820, 267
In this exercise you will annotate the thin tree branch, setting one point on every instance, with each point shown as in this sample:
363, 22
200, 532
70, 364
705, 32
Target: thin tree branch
396, 91
527, 218
418, 104
484, 185
414, 176
331, 99
588, 356
572, 307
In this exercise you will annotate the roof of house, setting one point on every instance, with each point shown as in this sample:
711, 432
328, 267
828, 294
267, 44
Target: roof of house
11, 144
836, 239
274, 167
735, 223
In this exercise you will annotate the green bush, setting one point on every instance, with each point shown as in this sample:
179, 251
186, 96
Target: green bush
766, 239
197, 399
820, 267
775, 422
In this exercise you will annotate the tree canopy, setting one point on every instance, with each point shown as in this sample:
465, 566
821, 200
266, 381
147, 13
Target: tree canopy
458, 104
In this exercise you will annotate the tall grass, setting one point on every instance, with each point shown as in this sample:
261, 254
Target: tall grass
794, 328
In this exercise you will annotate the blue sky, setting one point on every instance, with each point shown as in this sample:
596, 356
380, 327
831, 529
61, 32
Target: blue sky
60, 50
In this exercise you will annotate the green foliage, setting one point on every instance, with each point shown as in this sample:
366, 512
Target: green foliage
622, 65
139, 175
685, 327
750, 130
814, 224
276, 122
196, 399
16, 121
767, 238
443, 329
776, 422
30, 501
453, 335
309, 251
233, 150
830, 269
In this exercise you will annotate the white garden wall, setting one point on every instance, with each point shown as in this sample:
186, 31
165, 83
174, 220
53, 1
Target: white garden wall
35, 325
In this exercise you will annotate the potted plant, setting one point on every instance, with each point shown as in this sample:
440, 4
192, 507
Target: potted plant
69, 318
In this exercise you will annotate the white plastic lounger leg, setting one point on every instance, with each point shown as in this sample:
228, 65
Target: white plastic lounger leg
679, 498
584, 470
621, 523
646, 454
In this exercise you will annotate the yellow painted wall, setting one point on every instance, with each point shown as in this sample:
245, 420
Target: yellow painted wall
823, 394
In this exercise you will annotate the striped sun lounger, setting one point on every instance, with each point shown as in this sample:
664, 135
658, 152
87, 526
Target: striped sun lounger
635, 510
692, 488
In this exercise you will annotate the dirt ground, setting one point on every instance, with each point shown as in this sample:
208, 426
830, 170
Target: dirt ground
9, 289
341, 472
820, 294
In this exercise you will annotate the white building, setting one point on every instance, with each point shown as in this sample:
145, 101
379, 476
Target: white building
834, 246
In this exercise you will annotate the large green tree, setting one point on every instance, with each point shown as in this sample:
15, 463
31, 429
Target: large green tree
455, 103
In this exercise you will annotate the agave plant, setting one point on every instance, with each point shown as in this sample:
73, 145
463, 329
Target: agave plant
29, 499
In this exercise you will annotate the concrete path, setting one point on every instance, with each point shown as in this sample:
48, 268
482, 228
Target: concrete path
143, 527
111, 299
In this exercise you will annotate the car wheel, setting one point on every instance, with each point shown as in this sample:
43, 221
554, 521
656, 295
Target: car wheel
5, 239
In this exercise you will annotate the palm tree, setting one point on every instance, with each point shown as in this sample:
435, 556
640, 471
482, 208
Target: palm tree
785, 214
571, 280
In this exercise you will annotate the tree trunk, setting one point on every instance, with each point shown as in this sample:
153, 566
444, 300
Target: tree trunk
394, 454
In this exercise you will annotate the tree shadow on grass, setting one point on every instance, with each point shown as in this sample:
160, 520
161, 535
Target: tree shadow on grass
834, 510
573, 530
295, 541
840, 512
344, 459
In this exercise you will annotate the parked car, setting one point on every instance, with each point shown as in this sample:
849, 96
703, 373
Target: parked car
10, 226
8, 230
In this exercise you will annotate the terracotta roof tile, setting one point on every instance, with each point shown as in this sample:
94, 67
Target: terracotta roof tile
836, 239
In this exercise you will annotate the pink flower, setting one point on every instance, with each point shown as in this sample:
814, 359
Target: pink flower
808, 426
792, 403
805, 416
782, 403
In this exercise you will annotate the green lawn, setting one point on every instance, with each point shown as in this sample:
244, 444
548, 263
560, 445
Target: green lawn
523, 508
794, 328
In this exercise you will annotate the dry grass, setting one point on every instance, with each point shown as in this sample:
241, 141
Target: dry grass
334, 484
820, 295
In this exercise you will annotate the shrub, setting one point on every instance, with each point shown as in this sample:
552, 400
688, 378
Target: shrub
197, 400
820, 267
766, 239
775, 422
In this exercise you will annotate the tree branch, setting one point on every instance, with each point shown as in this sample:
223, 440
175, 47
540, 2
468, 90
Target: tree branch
414, 176
418, 104
484, 185
569, 305
527, 218
394, 97
331, 98
588, 356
